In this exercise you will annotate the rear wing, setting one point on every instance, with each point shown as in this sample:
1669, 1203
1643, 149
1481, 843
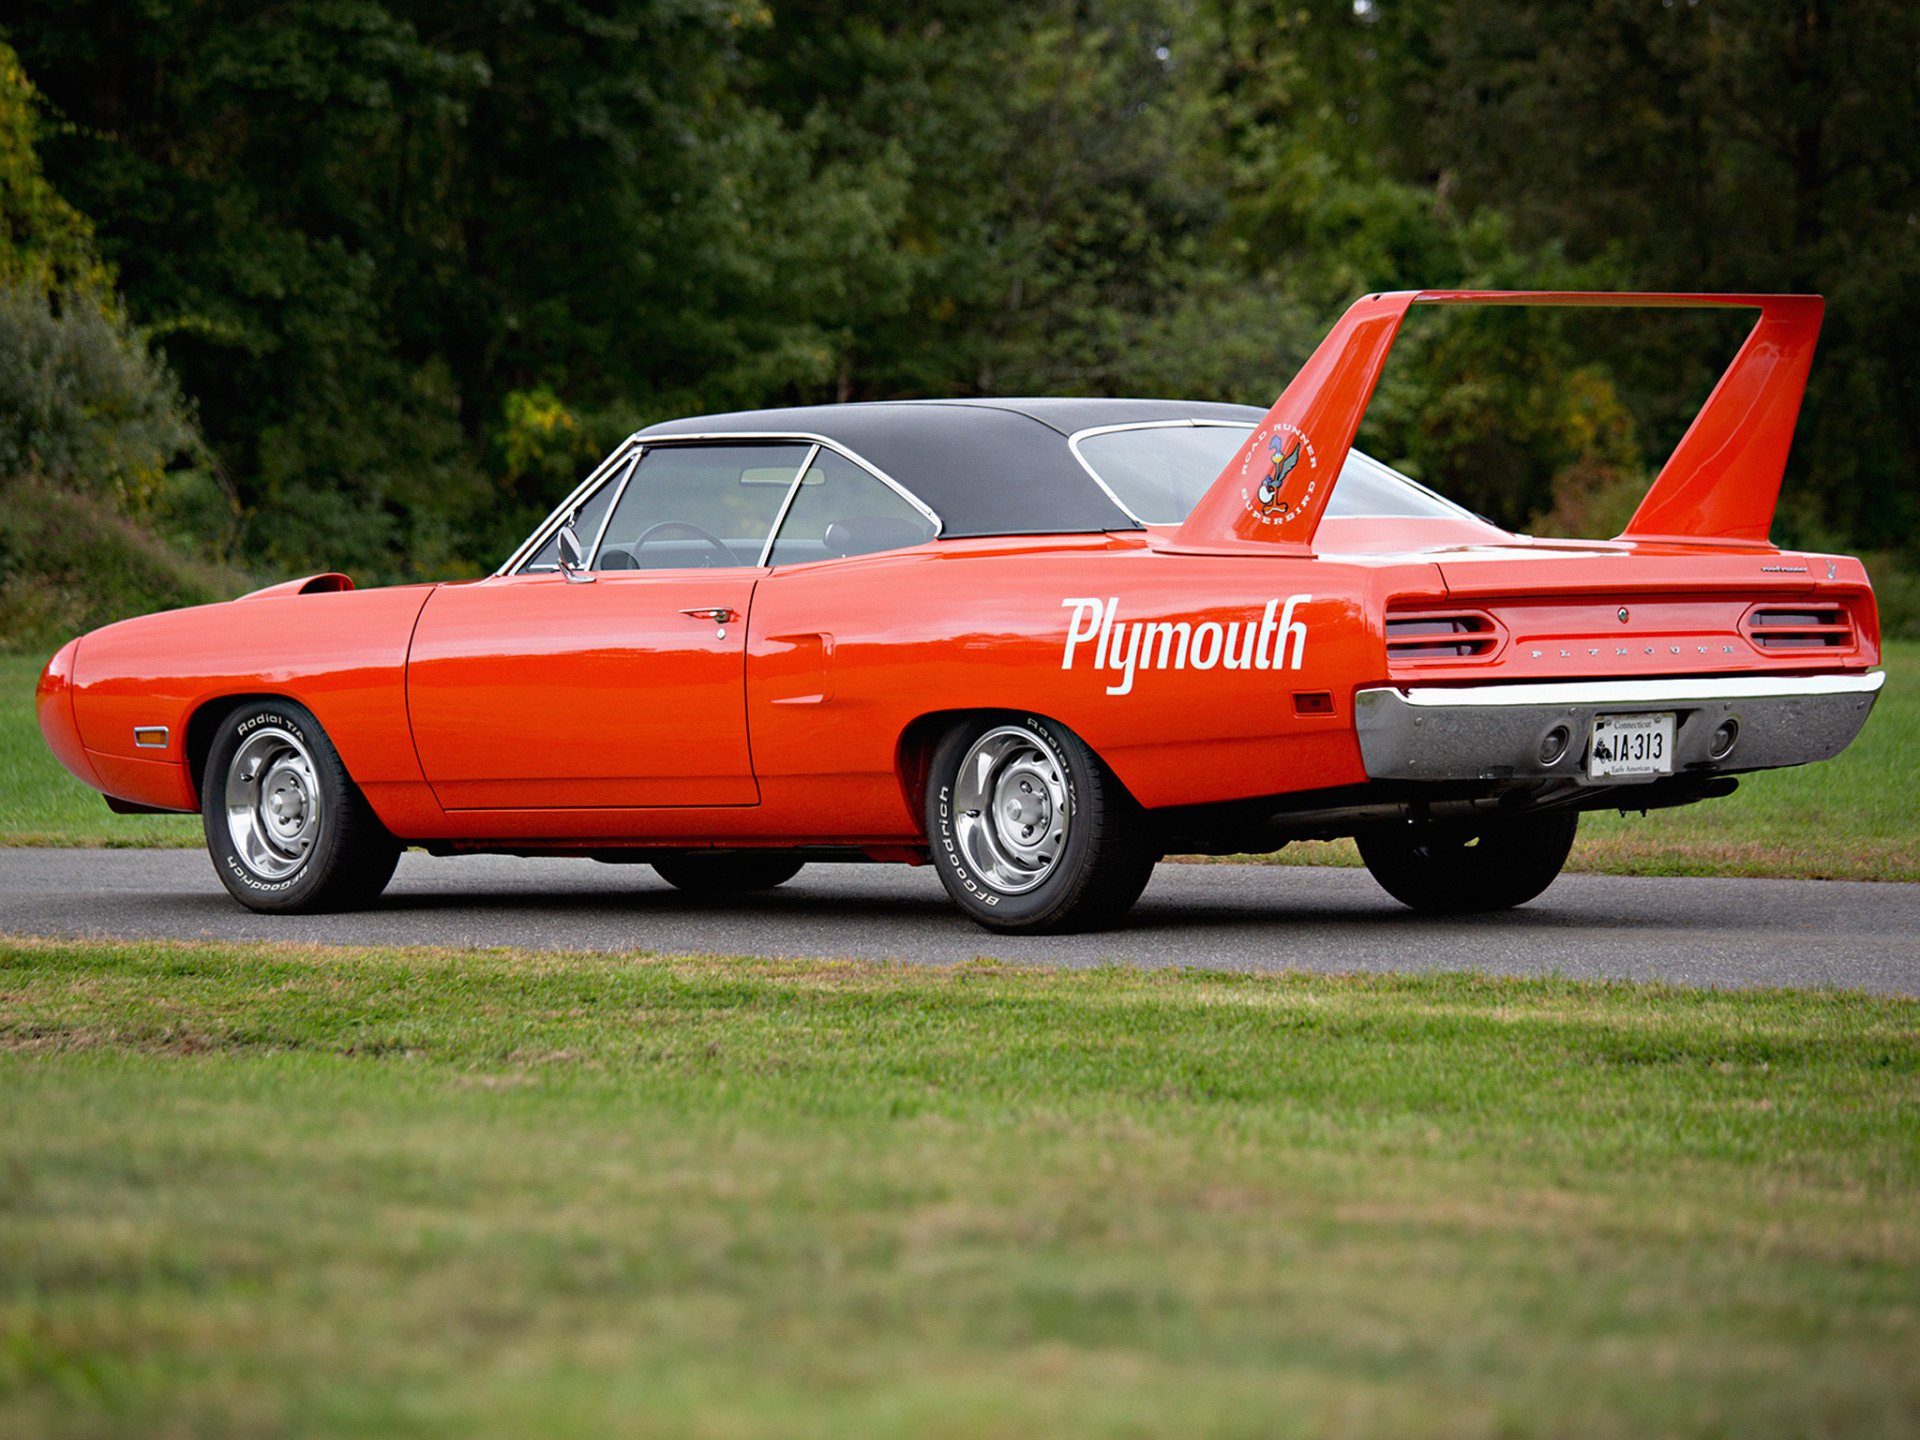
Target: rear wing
1720, 485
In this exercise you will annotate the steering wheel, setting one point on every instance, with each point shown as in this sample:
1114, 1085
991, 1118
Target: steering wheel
687, 527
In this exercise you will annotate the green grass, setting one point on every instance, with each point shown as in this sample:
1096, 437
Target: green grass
268, 1191
1857, 817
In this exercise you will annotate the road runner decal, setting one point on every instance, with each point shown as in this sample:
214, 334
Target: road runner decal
1281, 494
1181, 645
1283, 464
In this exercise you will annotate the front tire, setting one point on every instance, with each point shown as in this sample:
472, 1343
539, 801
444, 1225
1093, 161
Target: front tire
1451, 869
732, 873
288, 830
1031, 833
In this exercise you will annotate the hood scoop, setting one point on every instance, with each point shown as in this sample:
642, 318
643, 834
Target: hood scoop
323, 584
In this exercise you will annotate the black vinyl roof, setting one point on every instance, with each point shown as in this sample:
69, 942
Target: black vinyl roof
985, 467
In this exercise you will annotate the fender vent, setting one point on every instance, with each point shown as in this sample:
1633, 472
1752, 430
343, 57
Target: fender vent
1467, 635
1801, 627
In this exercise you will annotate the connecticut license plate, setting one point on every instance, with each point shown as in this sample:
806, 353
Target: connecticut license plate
1628, 745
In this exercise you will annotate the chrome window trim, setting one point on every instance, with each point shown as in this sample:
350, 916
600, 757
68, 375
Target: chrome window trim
635, 446
793, 490
807, 437
544, 530
626, 480
1434, 495
619, 493
1073, 444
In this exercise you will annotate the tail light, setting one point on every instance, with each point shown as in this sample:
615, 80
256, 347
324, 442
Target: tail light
1799, 627
1459, 635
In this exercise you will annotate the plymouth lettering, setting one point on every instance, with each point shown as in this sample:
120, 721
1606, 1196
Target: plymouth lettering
1131, 646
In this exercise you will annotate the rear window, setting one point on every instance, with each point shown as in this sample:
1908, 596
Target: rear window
1159, 472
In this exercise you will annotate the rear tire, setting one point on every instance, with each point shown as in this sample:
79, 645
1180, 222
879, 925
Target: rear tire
1455, 869
288, 830
1031, 833
731, 873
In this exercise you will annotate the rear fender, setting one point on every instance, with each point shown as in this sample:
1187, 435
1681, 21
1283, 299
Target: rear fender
914, 755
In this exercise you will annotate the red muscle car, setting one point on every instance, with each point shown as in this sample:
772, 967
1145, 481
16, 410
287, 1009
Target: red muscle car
1036, 643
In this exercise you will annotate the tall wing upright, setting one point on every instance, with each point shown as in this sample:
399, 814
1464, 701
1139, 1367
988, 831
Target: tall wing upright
1721, 483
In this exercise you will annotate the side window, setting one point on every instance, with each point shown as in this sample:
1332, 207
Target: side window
691, 507
842, 510
587, 517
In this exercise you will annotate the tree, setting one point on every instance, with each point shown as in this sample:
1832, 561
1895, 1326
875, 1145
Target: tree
1715, 144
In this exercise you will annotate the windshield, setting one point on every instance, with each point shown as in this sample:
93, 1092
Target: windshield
1159, 472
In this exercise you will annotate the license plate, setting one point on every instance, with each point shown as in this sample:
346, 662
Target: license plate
1628, 745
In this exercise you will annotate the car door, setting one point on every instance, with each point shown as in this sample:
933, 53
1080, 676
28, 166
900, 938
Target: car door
623, 685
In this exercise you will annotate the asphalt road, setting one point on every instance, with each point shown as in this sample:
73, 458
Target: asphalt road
1231, 917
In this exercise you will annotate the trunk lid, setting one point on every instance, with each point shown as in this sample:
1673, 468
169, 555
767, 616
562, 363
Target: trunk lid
1607, 610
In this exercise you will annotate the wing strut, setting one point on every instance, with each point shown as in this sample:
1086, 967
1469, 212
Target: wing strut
1721, 483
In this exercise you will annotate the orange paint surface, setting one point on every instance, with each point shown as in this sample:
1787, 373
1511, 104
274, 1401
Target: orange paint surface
529, 710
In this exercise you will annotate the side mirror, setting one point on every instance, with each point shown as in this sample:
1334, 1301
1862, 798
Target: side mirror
571, 556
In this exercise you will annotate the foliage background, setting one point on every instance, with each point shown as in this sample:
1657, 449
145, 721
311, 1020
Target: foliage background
364, 284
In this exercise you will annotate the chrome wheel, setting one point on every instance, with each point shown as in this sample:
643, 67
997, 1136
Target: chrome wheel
273, 802
1012, 808
1029, 831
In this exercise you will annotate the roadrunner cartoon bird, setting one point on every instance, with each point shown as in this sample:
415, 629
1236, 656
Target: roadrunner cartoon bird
1282, 467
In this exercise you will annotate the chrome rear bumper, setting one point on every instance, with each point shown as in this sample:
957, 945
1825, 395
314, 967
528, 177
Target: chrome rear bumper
1502, 732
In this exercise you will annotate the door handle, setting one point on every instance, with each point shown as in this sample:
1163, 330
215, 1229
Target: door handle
719, 614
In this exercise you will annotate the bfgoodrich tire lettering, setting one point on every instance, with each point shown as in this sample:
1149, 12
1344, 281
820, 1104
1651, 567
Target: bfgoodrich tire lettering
1030, 832
286, 827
